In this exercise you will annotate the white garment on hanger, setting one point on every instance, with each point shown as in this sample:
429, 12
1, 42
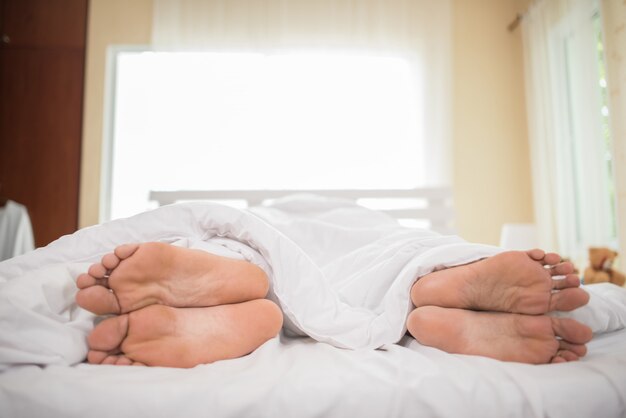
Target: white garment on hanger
16, 232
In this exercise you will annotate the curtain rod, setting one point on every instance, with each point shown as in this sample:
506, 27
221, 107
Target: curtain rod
515, 23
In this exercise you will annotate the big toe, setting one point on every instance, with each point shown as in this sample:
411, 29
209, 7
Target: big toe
571, 330
536, 254
99, 300
108, 335
544, 258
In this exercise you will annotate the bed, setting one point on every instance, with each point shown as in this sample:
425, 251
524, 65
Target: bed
356, 359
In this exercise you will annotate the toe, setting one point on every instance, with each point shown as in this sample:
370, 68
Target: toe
108, 335
579, 349
99, 300
570, 280
536, 254
110, 261
126, 250
97, 271
567, 355
544, 258
562, 269
123, 361
568, 299
551, 259
571, 330
109, 360
96, 357
85, 280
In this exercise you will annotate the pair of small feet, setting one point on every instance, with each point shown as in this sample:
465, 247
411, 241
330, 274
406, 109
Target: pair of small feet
497, 308
175, 307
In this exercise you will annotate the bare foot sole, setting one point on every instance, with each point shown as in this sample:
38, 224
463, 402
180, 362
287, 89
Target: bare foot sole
138, 275
171, 337
513, 281
508, 337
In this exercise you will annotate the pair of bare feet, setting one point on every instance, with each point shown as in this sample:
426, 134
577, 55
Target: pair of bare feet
175, 307
180, 307
497, 308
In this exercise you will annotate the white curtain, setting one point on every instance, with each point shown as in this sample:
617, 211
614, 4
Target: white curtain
570, 181
416, 30
614, 19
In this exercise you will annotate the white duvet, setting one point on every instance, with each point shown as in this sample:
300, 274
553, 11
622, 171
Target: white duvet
340, 272
342, 275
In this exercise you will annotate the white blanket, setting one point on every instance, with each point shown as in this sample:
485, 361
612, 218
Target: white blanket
341, 273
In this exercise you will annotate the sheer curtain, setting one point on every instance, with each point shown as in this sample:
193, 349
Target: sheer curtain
416, 30
572, 189
614, 19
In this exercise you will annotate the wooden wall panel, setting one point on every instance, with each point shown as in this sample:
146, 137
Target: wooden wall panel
45, 23
41, 94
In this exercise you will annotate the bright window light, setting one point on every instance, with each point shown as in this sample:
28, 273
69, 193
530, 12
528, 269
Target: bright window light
220, 121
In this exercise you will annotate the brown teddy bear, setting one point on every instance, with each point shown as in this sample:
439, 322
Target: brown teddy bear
601, 267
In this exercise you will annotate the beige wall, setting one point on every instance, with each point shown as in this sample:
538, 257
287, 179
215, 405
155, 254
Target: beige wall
492, 170
492, 180
110, 22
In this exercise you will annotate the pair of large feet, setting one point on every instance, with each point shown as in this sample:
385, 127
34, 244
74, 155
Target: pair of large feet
497, 308
175, 307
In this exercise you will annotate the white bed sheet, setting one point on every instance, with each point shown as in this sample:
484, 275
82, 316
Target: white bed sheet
42, 332
299, 377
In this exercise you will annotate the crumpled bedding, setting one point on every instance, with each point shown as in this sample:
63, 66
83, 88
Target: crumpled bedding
340, 272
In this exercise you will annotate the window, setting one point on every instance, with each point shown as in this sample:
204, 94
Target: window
218, 121
606, 144
586, 139
575, 198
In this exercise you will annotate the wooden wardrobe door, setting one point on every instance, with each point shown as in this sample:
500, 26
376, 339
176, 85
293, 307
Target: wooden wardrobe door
41, 92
